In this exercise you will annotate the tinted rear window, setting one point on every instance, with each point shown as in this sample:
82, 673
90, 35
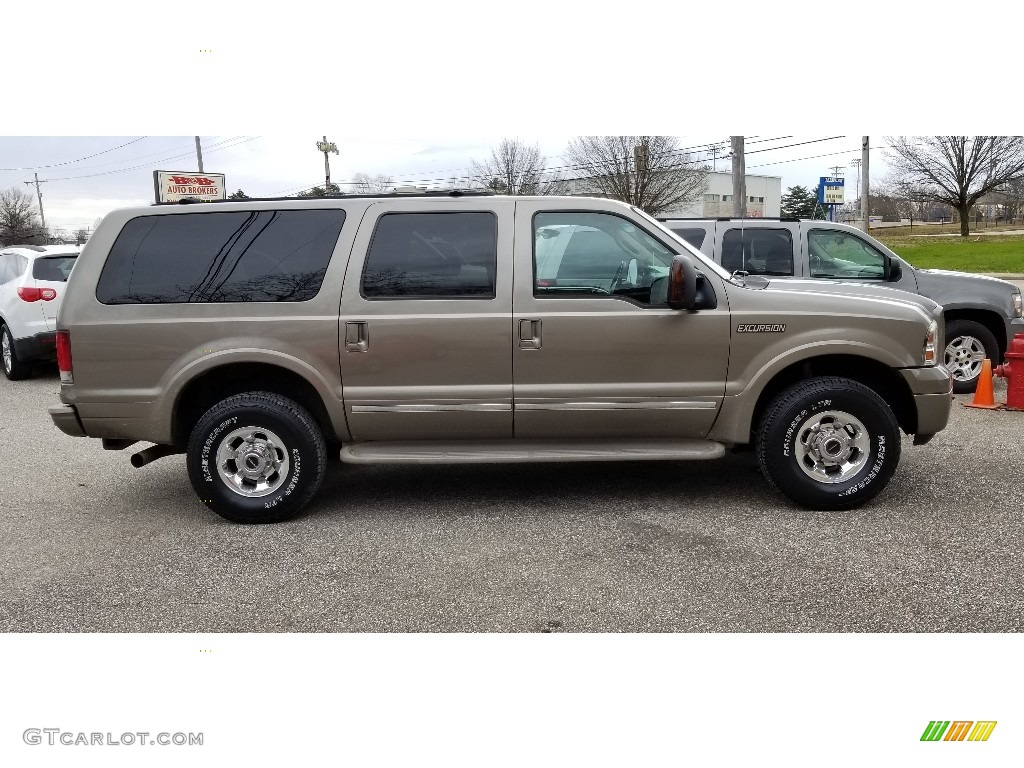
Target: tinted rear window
694, 237
432, 255
758, 251
220, 257
54, 268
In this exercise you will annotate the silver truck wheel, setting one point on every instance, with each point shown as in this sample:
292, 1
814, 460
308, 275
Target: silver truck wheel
256, 457
967, 345
828, 443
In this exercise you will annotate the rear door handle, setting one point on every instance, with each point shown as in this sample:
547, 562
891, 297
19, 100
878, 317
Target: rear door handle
357, 337
529, 334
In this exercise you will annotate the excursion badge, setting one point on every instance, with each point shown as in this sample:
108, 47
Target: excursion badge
761, 328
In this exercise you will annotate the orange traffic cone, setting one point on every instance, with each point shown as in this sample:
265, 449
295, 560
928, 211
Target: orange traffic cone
983, 395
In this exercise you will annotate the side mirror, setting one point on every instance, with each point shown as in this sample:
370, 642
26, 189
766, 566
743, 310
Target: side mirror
895, 270
682, 283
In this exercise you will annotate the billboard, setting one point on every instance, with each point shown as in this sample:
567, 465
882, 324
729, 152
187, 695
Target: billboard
172, 186
830, 190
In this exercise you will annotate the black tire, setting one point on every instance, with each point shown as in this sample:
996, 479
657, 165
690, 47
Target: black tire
282, 434
962, 338
870, 442
14, 368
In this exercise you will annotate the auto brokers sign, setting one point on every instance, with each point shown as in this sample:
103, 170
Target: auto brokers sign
172, 186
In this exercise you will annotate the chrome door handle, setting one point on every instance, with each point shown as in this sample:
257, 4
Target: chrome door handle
357, 337
529, 334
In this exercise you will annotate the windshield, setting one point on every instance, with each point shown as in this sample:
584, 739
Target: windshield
704, 262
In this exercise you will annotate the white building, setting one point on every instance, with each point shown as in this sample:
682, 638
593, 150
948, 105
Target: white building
764, 198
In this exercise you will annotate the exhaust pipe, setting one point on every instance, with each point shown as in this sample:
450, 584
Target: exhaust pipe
154, 452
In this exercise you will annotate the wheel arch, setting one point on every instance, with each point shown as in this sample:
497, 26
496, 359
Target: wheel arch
877, 376
215, 384
989, 319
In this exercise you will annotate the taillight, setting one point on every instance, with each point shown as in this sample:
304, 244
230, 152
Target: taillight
64, 357
29, 294
47, 294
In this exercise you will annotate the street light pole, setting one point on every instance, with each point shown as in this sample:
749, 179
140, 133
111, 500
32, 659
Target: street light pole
199, 154
326, 146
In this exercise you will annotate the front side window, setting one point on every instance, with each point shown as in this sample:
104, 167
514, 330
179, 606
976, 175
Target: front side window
833, 253
758, 251
432, 256
597, 254
236, 256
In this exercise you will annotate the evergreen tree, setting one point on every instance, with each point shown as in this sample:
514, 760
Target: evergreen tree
799, 203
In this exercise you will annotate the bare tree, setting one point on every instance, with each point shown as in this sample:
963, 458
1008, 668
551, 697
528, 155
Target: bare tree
890, 204
955, 170
365, 184
1011, 199
19, 219
515, 168
650, 172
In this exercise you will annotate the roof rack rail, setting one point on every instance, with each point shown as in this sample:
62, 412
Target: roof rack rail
397, 193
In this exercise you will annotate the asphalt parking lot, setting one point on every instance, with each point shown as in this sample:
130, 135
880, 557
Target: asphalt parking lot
92, 544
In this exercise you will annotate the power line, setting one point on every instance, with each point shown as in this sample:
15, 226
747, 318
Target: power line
215, 148
70, 162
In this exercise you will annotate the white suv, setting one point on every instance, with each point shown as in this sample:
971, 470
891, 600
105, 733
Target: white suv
32, 279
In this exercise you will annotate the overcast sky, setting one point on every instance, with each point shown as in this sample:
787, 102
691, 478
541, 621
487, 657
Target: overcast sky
83, 178
418, 91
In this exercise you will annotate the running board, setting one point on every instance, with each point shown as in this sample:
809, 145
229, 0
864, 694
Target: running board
516, 451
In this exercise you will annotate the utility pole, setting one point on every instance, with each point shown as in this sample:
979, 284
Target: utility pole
39, 194
739, 178
641, 157
326, 146
865, 152
199, 154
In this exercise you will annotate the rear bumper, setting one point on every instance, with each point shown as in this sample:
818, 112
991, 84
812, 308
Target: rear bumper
67, 421
933, 397
41, 347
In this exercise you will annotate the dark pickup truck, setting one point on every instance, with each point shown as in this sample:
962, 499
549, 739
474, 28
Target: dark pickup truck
981, 313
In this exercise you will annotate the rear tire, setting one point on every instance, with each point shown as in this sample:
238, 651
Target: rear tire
828, 443
14, 368
256, 457
966, 342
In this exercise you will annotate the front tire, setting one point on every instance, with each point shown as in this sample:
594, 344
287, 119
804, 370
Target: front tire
828, 443
967, 345
15, 369
256, 457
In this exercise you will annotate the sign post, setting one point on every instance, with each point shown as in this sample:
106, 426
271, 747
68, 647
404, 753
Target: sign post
173, 186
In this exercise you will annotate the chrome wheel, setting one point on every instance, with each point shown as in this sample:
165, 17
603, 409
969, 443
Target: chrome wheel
832, 446
964, 356
5, 345
253, 461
